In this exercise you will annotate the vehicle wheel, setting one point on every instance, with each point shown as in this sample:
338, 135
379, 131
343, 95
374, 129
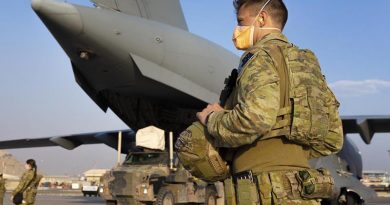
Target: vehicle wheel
110, 202
327, 202
165, 197
353, 200
211, 197
85, 195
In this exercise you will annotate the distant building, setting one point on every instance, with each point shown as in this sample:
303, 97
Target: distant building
59, 182
379, 180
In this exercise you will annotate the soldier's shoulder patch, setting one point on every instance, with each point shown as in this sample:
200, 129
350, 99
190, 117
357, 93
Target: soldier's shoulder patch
245, 60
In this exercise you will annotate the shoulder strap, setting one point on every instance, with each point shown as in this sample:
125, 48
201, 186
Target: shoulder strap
283, 122
281, 66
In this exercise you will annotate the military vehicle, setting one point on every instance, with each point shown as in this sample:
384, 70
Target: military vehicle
150, 70
155, 176
90, 190
145, 177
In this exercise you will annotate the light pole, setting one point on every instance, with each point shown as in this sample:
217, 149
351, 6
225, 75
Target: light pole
389, 172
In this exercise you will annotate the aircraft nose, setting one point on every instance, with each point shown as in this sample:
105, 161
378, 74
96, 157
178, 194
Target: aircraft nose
58, 16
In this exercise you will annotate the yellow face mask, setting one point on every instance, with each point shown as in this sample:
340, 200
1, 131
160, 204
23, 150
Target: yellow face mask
243, 37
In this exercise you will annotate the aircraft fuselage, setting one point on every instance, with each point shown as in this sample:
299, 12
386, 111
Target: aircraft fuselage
131, 64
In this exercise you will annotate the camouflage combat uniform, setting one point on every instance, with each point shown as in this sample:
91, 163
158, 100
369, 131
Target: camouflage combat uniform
2, 190
32, 191
27, 186
250, 113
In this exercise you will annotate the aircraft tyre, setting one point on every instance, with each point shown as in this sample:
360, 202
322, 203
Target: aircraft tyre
211, 196
353, 199
165, 197
110, 202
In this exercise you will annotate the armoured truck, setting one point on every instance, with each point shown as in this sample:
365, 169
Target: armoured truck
150, 176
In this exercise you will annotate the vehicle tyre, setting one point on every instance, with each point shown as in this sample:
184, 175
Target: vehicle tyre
352, 199
165, 197
211, 197
111, 202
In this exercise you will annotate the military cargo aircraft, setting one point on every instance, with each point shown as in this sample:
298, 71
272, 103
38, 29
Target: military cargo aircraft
137, 58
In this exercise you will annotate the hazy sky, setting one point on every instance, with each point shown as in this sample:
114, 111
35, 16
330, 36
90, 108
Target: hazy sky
39, 97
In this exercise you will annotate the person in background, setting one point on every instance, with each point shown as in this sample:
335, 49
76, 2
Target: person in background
28, 183
2, 188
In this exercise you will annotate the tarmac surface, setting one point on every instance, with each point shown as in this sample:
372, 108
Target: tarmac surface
80, 200
62, 200
379, 201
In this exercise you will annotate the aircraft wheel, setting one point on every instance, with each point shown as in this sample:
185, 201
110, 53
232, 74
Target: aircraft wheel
211, 197
352, 199
165, 197
111, 202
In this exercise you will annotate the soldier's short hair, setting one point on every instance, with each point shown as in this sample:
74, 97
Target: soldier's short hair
276, 8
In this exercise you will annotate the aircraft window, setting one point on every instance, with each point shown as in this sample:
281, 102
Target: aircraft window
146, 158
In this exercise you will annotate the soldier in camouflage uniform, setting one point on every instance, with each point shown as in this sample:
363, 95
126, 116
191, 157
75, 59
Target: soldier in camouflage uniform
2, 188
260, 167
28, 183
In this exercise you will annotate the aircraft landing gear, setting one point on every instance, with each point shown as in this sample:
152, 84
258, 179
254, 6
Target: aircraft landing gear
353, 199
350, 198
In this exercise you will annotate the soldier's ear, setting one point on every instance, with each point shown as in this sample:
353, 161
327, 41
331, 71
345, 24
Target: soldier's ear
262, 18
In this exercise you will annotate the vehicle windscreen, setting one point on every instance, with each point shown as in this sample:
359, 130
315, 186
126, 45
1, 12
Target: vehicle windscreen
146, 158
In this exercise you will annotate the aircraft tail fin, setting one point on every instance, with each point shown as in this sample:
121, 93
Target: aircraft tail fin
164, 11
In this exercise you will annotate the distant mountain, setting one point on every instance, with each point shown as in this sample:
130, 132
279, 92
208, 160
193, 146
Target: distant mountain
10, 165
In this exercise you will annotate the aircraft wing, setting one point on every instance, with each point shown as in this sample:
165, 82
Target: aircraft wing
366, 126
109, 138
164, 11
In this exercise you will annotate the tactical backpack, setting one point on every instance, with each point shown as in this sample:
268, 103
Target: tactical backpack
308, 113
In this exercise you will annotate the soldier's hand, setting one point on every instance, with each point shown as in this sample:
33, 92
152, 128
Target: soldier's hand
205, 112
